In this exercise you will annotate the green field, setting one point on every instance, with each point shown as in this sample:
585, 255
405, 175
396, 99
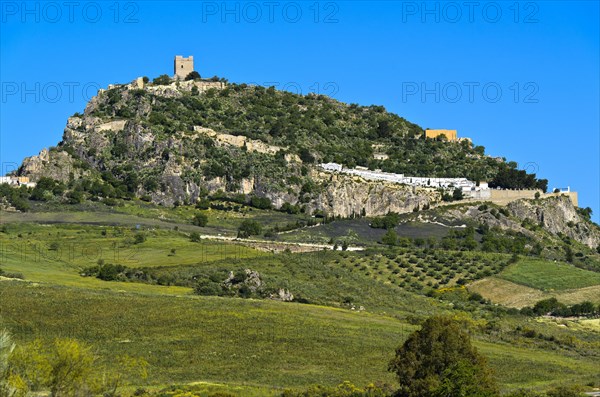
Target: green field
258, 343
212, 339
359, 231
359, 312
130, 213
314, 276
545, 275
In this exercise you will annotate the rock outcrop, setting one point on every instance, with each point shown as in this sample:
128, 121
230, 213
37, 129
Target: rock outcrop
557, 215
53, 164
346, 196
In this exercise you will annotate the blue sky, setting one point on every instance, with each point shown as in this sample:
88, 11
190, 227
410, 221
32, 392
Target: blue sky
521, 79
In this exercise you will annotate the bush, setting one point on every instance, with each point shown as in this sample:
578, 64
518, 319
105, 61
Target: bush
163, 79
563, 391
203, 204
207, 287
390, 238
67, 367
249, 228
139, 238
75, 197
555, 308
547, 306
105, 271
200, 219
524, 393
195, 237
12, 275
193, 75
389, 221
261, 203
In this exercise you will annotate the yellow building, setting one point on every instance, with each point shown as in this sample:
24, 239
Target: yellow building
449, 134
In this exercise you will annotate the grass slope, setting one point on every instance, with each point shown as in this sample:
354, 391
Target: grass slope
546, 275
259, 343
511, 294
254, 345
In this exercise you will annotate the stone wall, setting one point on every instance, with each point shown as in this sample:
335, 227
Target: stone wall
177, 88
503, 197
449, 134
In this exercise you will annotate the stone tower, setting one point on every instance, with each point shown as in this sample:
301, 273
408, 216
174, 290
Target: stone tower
183, 66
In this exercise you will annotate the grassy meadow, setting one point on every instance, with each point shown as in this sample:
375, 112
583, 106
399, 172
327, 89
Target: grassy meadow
546, 276
362, 305
255, 343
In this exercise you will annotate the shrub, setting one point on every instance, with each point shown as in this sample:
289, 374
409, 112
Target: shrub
162, 80
11, 275
260, 202
200, 219
564, 391
203, 204
75, 196
389, 221
193, 75
195, 237
139, 238
249, 228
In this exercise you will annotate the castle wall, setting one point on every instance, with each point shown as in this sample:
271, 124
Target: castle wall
449, 134
207, 85
503, 197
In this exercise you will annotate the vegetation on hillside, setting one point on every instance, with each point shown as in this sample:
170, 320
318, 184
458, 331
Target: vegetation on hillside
124, 296
313, 127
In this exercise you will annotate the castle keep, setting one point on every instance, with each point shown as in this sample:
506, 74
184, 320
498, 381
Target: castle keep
183, 66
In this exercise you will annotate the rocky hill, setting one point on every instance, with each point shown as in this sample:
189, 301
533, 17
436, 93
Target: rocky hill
181, 141
552, 224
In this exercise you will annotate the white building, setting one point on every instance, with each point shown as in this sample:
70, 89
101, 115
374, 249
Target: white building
464, 184
16, 181
331, 167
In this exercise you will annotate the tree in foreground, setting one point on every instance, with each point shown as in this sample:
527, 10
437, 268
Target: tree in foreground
65, 368
439, 361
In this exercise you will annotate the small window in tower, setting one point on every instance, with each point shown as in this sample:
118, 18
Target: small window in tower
181, 66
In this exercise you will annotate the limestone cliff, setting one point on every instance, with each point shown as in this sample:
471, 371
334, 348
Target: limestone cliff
345, 196
53, 164
557, 215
